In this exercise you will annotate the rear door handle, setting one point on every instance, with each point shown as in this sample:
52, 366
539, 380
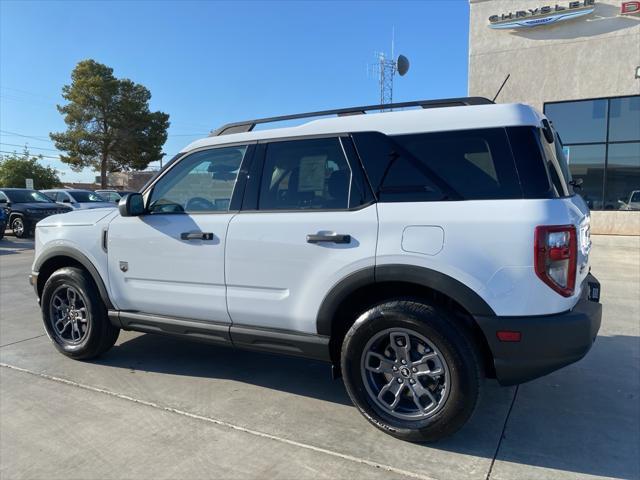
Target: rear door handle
196, 236
334, 238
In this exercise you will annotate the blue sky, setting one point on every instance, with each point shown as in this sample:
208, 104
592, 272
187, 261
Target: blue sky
209, 63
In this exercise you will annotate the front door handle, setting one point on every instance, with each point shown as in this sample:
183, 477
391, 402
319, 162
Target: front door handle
196, 236
331, 237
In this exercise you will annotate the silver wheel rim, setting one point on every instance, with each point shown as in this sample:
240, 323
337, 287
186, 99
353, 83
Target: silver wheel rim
18, 227
68, 313
405, 374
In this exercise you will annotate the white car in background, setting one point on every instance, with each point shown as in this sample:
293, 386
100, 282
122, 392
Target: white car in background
114, 195
78, 199
633, 203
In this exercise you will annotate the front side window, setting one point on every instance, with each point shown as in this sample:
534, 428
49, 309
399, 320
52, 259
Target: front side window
305, 174
201, 182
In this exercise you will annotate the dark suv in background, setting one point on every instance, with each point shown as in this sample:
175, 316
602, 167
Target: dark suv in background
24, 208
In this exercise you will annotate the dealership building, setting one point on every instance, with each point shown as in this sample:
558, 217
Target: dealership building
579, 63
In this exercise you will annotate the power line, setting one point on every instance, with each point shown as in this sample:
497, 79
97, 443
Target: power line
43, 156
26, 92
42, 139
29, 147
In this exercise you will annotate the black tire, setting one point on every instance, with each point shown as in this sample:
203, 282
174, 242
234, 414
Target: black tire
99, 335
2, 232
454, 352
19, 227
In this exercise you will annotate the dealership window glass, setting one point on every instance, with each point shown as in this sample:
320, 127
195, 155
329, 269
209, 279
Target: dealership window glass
579, 122
586, 162
624, 119
623, 177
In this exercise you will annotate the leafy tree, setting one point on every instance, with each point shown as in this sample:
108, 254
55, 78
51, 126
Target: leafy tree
109, 125
15, 168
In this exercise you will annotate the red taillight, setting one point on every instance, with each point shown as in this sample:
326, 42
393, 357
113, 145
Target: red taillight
555, 257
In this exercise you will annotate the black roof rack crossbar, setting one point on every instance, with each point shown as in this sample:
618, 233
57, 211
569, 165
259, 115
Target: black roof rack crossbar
249, 125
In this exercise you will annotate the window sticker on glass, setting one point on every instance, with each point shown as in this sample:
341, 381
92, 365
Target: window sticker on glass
312, 174
567, 154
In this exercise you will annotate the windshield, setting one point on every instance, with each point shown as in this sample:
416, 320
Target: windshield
87, 196
27, 196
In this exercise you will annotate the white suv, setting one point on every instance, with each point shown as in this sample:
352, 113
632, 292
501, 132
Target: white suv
416, 251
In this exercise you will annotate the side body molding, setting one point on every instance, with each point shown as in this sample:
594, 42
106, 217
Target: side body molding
422, 276
64, 251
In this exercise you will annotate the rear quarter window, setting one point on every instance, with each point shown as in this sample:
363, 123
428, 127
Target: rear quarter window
458, 165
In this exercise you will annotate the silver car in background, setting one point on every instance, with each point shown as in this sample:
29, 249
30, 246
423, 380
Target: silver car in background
78, 199
114, 195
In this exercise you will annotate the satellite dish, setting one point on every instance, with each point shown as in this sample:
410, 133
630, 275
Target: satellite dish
402, 64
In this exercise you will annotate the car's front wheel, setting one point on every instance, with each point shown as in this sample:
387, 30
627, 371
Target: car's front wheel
410, 371
18, 227
75, 318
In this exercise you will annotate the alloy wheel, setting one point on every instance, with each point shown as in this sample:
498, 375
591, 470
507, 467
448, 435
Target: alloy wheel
405, 374
68, 313
18, 227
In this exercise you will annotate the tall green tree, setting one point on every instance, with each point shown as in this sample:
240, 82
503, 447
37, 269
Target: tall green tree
15, 168
109, 125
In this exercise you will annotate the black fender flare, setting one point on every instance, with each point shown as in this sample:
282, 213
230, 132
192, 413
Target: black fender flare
12, 215
426, 277
65, 251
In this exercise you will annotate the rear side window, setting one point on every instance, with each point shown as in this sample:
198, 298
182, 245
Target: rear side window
467, 164
305, 174
527, 152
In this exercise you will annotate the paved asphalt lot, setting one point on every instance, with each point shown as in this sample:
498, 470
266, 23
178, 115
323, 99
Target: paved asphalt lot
156, 407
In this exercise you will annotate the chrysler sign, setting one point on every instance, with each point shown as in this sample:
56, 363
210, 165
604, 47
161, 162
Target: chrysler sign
545, 15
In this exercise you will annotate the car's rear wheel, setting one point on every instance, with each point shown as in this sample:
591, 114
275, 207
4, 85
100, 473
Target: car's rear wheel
18, 227
75, 318
410, 371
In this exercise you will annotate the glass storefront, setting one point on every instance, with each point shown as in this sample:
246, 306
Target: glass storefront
601, 138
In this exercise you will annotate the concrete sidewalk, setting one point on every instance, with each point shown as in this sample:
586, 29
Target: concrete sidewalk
156, 407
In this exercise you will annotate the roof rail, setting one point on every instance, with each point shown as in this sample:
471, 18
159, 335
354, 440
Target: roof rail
249, 125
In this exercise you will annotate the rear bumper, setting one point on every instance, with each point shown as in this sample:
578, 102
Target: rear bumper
547, 343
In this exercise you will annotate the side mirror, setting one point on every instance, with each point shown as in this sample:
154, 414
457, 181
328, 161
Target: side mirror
3, 200
66, 200
547, 131
131, 205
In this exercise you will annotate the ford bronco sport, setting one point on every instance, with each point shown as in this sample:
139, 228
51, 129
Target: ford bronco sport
416, 251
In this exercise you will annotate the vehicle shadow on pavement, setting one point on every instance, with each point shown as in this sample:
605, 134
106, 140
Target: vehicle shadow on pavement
11, 245
174, 356
582, 419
